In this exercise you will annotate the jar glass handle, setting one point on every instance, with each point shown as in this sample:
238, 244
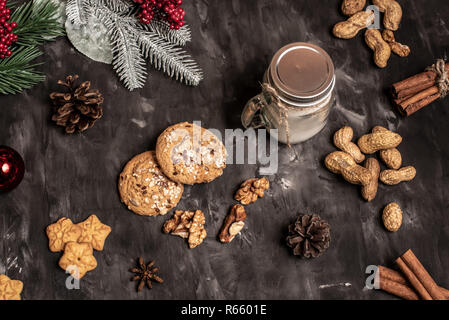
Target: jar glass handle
252, 115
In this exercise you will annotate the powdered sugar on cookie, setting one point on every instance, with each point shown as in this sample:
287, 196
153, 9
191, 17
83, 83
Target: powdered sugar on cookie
145, 189
190, 154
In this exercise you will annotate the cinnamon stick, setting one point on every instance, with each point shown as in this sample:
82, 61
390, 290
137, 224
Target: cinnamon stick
420, 100
445, 292
398, 289
411, 109
413, 279
398, 101
392, 282
392, 275
420, 96
418, 276
415, 84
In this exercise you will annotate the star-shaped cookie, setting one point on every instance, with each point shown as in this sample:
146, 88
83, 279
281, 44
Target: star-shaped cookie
10, 289
94, 232
78, 259
62, 232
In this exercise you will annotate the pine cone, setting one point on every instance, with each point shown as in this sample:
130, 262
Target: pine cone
77, 109
309, 236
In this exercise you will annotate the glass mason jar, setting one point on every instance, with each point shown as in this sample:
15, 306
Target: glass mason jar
300, 94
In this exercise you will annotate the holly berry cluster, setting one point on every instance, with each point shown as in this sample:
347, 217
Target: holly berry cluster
7, 37
165, 10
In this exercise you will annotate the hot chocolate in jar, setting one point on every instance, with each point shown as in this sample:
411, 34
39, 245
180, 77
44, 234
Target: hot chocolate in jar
297, 94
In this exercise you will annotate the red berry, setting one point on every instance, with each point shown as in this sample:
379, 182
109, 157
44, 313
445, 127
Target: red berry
7, 37
163, 10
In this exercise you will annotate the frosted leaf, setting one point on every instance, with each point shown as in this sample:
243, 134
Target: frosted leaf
91, 39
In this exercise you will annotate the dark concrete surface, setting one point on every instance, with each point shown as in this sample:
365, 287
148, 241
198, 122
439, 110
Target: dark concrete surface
76, 175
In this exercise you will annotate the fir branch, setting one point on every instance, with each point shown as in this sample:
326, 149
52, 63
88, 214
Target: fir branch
127, 61
171, 59
11, 4
132, 42
179, 37
118, 6
37, 23
78, 11
17, 72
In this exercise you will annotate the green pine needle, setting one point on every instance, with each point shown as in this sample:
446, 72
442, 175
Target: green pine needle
37, 23
11, 4
17, 72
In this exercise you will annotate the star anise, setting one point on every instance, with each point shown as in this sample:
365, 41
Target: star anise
145, 273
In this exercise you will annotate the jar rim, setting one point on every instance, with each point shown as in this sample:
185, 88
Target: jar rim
303, 103
322, 81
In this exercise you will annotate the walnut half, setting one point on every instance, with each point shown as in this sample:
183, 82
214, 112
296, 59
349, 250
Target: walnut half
188, 225
233, 224
179, 224
251, 190
197, 231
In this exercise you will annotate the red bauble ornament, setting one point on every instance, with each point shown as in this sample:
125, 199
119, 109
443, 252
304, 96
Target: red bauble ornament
164, 10
12, 168
7, 37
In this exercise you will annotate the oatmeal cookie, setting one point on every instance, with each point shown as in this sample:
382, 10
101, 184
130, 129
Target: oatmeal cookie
190, 154
145, 189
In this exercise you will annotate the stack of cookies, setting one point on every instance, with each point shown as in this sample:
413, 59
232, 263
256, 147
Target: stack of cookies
152, 183
78, 242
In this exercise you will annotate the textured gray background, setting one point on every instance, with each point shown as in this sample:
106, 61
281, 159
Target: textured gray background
76, 175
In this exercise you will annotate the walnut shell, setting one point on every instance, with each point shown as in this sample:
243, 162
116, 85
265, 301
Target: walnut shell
187, 224
392, 217
233, 224
235, 228
251, 190
197, 232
